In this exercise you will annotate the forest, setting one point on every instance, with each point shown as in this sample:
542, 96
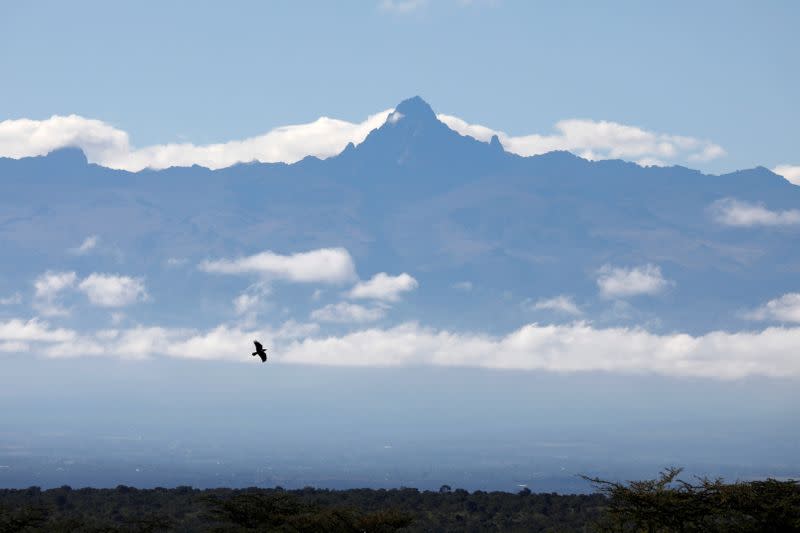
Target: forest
666, 503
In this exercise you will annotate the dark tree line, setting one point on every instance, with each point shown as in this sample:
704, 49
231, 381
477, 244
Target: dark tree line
664, 504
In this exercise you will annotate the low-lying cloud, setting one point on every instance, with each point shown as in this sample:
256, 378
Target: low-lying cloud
733, 212
577, 347
111, 147
593, 140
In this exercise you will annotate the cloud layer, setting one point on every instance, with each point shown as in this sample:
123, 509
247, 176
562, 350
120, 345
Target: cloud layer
593, 139
110, 147
577, 347
325, 137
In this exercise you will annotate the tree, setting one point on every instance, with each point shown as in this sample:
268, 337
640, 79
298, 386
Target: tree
668, 504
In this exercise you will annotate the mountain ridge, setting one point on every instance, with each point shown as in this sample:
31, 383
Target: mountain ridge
420, 198
417, 121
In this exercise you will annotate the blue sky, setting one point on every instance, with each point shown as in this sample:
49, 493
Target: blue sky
203, 72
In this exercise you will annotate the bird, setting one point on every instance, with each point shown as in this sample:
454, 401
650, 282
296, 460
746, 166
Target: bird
260, 352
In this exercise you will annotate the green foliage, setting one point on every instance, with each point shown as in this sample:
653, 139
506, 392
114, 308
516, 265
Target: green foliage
127, 509
21, 518
664, 504
668, 504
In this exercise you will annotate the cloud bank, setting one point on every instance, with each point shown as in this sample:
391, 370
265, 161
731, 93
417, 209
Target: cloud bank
593, 140
577, 347
111, 147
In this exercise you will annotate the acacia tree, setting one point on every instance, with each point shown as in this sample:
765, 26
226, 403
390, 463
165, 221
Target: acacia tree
668, 504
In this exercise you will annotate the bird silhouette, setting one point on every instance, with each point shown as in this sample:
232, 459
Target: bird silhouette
260, 352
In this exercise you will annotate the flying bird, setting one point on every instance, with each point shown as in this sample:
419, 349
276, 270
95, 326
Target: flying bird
260, 352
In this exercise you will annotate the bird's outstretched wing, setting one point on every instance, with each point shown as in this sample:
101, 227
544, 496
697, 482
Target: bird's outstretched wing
258, 346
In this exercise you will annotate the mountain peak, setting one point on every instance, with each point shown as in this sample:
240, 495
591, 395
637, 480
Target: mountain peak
69, 155
415, 108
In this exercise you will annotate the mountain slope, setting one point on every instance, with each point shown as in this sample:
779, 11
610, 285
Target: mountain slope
417, 197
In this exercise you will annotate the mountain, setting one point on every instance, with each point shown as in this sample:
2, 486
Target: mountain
417, 197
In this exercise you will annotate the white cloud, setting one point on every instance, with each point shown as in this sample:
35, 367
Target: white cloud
402, 6
14, 347
790, 172
88, 244
14, 299
344, 312
382, 286
394, 117
620, 282
108, 290
245, 303
326, 265
110, 147
24, 137
569, 348
176, 261
325, 137
733, 212
33, 330
49, 284
465, 286
577, 347
249, 303
783, 309
593, 139
560, 304
47, 288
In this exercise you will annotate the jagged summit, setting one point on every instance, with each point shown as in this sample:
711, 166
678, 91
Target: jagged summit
71, 155
414, 138
415, 109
